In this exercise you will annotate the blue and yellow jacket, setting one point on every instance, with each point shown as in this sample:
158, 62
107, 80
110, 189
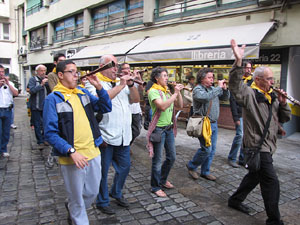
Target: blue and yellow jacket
58, 118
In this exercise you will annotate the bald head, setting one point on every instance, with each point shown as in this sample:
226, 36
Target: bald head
110, 72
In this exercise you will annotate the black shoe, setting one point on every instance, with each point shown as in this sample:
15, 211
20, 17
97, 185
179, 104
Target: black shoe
240, 207
122, 202
69, 216
106, 209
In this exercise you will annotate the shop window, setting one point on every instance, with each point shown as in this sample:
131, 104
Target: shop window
38, 38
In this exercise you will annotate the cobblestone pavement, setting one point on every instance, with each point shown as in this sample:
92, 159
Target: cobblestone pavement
32, 193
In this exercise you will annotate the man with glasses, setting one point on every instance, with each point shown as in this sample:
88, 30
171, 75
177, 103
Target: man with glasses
7, 92
257, 101
116, 131
236, 111
39, 89
72, 130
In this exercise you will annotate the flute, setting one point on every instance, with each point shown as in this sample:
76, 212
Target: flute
140, 82
294, 101
185, 88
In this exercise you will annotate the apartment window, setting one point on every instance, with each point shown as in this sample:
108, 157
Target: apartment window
4, 31
163, 3
69, 28
38, 38
117, 14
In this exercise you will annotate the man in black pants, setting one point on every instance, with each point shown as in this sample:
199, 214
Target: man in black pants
257, 100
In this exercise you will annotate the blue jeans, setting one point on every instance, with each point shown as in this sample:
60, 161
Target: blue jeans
160, 172
237, 144
204, 156
37, 119
119, 156
5, 121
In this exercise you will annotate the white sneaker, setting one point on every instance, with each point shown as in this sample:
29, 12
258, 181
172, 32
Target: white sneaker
5, 154
13, 126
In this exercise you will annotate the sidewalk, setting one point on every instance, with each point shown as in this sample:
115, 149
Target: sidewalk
31, 193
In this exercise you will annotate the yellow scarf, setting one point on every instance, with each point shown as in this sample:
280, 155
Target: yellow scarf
206, 131
54, 70
104, 78
159, 87
267, 94
66, 92
246, 79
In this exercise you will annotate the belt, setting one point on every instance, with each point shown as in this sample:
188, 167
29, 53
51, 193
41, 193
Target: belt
166, 127
6, 109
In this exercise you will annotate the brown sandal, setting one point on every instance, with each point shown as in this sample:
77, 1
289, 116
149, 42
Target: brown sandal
160, 193
168, 185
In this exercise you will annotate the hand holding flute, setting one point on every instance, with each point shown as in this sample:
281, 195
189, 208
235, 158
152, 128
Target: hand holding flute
282, 96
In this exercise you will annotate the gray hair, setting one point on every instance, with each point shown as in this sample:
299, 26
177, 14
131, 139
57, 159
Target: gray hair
40, 66
105, 59
259, 72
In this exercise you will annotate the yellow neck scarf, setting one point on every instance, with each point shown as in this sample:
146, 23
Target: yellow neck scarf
54, 70
159, 87
246, 79
267, 94
104, 78
66, 92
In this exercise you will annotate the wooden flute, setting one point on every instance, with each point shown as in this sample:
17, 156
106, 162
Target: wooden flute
290, 98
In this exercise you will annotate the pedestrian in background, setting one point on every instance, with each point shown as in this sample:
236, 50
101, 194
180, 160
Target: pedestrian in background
7, 92
206, 96
260, 104
72, 130
52, 77
164, 123
188, 95
236, 111
39, 89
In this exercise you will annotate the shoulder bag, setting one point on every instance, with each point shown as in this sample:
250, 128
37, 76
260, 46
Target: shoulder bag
195, 124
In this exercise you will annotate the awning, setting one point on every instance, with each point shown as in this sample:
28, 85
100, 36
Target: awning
89, 56
203, 45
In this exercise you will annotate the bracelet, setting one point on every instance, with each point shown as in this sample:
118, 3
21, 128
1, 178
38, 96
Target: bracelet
131, 85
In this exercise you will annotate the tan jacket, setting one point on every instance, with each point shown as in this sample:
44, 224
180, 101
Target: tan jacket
188, 95
52, 80
256, 111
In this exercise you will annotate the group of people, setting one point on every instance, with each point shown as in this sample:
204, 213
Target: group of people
63, 115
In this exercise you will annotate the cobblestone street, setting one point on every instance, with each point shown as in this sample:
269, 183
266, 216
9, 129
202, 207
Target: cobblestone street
32, 193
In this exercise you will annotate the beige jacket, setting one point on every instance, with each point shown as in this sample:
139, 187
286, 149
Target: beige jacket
256, 111
188, 95
52, 80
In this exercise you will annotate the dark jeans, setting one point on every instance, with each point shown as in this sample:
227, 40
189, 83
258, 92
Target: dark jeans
269, 185
136, 126
5, 121
37, 119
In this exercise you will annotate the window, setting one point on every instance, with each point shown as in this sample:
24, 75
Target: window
117, 14
4, 31
69, 28
38, 38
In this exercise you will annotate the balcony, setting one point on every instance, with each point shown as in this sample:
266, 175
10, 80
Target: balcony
68, 35
117, 23
37, 44
196, 7
35, 8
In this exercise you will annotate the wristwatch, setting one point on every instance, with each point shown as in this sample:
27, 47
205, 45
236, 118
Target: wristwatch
71, 151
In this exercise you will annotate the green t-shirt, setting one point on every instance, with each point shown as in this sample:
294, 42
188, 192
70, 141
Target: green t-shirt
165, 118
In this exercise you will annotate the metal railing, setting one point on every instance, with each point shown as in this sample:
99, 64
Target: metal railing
35, 8
183, 7
117, 23
68, 35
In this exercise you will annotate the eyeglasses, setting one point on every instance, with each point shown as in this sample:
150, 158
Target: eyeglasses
269, 78
74, 73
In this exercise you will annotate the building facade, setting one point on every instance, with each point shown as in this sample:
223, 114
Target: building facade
8, 39
182, 35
